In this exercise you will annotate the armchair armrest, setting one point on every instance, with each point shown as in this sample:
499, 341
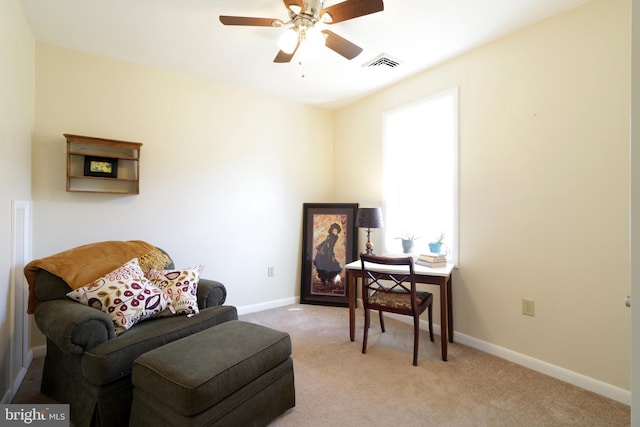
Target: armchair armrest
210, 293
72, 326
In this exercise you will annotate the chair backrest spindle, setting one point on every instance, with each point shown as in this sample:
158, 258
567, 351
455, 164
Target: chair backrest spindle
401, 283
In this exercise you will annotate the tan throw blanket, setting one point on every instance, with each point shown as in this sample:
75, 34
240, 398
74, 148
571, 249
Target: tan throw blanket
84, 264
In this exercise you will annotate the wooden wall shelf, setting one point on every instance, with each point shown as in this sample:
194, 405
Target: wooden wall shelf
123, 158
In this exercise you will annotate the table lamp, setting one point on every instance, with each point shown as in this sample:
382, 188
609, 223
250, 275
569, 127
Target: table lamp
369, 218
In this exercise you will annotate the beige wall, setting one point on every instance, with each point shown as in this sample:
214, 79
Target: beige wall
635, 208
224, 172
544, 186
17, 49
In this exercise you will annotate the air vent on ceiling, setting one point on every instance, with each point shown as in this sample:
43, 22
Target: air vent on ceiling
382, 62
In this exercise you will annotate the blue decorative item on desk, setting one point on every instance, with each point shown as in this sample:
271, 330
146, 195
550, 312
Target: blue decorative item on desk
436, 246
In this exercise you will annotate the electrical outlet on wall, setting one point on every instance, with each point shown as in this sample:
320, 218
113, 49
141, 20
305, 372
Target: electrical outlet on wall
271, 271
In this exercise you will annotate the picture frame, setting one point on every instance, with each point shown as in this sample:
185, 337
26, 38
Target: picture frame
330, 241
103, 167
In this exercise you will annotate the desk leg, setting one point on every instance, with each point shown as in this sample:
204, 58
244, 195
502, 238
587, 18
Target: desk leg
450, 308
351, 289
443, 318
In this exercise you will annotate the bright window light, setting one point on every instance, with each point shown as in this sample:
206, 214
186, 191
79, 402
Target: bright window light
420, 174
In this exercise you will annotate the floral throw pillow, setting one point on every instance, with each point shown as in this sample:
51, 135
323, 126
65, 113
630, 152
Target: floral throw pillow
124, 294
181, 286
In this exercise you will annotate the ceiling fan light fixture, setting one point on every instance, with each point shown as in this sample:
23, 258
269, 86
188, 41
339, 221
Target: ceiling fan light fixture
305, 53
315, 38
288, 41
311, 43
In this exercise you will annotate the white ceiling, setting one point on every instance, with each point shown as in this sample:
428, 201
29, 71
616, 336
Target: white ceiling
186, 36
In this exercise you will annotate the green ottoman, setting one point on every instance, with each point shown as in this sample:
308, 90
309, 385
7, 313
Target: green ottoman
233, 374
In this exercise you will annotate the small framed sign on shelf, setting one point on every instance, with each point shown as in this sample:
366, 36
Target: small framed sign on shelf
104, 167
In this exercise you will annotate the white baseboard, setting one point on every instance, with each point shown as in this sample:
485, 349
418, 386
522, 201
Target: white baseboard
17, 381
40, 351
596, 386
246, 309
7, 396
582, 381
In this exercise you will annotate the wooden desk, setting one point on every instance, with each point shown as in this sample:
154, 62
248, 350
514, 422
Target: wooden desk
432, 276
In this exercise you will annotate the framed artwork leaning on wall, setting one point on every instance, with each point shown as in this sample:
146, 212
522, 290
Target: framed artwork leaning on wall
330, 241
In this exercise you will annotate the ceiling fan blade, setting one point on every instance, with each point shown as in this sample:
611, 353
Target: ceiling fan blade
284, 57
257, 22
350, 9
298, 3
341, 45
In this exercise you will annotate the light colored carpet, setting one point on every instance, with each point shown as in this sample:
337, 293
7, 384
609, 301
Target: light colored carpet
337, 385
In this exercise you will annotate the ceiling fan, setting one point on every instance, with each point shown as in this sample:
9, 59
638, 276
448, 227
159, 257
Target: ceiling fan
302, 34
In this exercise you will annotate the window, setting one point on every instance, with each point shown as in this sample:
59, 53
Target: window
420, 174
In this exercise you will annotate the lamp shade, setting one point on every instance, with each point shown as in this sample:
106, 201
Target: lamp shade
288, 41
369, 218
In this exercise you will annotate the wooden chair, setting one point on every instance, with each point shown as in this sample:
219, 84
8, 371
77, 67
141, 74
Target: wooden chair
384, 290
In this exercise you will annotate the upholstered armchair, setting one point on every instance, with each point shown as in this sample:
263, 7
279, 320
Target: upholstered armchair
89, 359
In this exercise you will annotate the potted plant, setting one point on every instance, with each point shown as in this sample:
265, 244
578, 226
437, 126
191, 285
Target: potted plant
408, 241
436, 246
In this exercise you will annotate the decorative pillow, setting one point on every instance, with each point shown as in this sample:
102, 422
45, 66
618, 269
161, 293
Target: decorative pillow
181, 286
124, 294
